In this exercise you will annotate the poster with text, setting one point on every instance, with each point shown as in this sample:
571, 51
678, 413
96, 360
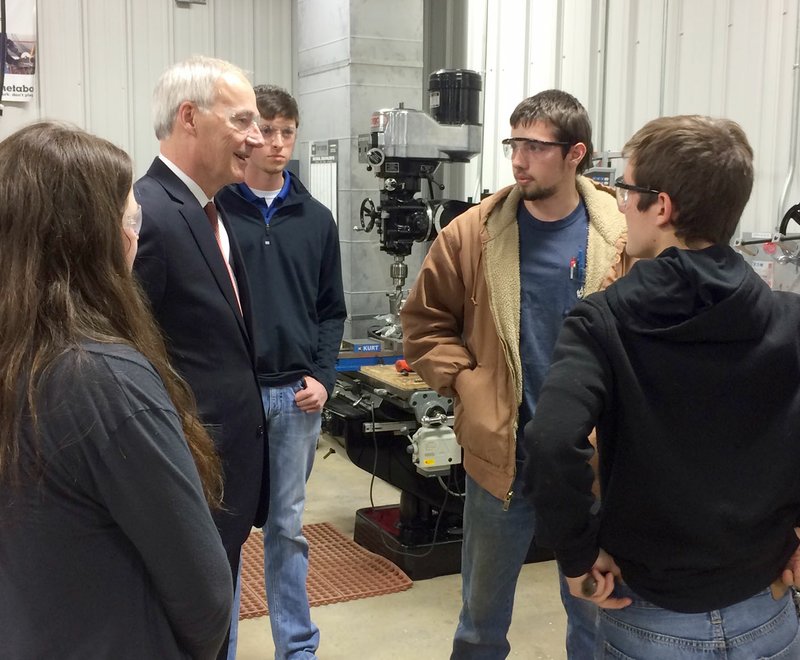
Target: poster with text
20, 50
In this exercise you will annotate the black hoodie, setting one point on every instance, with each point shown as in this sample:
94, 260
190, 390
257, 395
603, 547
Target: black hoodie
295, 275
689, 368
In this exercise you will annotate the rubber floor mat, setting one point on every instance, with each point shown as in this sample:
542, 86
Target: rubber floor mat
338, 570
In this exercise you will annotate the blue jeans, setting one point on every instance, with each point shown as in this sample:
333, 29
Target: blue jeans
493, 552
233, 637
759, 627
581, 622
293, 437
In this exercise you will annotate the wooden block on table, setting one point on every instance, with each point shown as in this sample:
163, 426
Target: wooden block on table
386, 373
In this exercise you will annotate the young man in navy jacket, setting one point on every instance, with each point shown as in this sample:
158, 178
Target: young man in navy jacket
290, 247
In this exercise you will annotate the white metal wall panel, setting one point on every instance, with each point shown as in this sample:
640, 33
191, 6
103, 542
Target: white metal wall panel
758, 77
629, 61
107, 108
60, 64
476, 59
273, 43
192, 31
633, 87
695, 51
543, 28
151, 49
98, 60
505, 81
772, 103
578, 70
234, 40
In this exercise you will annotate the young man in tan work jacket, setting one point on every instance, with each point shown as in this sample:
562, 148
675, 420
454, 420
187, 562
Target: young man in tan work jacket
480, 324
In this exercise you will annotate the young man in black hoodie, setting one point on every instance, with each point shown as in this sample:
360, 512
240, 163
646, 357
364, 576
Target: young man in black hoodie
689, 369
290, 247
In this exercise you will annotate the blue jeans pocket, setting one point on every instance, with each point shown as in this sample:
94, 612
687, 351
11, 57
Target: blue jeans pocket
758, 627
610, 653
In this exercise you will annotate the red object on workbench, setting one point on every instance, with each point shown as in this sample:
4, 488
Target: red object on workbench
403, 367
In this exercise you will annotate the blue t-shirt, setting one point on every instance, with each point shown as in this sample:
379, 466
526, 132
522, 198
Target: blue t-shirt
552, 259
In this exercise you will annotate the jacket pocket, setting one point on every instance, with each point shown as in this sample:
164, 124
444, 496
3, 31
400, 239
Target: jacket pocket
480, 419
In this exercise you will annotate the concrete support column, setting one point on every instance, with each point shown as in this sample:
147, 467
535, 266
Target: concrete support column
355, 57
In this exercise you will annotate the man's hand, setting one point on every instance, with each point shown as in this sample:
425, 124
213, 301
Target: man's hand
791, 574
311, 398
597, 585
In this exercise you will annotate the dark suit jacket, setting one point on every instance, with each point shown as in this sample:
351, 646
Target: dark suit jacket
181, 268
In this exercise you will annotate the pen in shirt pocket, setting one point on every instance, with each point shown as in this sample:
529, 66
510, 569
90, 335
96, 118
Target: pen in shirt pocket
576, 266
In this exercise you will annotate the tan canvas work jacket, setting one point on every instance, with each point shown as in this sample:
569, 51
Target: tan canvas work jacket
462, 318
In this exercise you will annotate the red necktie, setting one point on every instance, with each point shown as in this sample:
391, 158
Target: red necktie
211, 213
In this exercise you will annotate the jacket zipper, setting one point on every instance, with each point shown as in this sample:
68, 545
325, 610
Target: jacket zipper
507, 501
474, 293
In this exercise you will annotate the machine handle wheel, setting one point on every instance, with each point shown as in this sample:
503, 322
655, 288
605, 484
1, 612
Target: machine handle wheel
368, 211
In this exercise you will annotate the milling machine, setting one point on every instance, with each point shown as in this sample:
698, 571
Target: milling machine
405, 148
392, 424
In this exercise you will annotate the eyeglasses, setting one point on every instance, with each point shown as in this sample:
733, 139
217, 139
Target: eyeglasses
133, 221
623, 189
243, 121
269, 132
529, 147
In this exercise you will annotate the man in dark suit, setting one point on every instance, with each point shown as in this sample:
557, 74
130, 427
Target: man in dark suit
191, 269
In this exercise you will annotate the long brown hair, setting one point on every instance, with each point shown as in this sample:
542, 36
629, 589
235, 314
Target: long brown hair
65, 280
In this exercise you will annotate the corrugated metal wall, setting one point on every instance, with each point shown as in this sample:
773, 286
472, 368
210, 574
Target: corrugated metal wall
629, 61
98, 60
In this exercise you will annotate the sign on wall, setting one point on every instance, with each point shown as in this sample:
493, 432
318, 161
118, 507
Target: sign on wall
322, 174
20, 50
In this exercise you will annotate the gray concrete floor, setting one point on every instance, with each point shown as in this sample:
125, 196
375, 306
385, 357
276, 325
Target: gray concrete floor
416, 624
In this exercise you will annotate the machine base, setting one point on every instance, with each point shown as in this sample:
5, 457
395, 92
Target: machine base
376, 529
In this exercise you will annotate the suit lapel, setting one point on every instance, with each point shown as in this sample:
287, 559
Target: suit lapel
196, 220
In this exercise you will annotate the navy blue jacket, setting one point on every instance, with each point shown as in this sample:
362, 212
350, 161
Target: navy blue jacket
295, 275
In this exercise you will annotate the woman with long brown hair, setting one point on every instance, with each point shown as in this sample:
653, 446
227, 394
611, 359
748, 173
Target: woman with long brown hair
107, 546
